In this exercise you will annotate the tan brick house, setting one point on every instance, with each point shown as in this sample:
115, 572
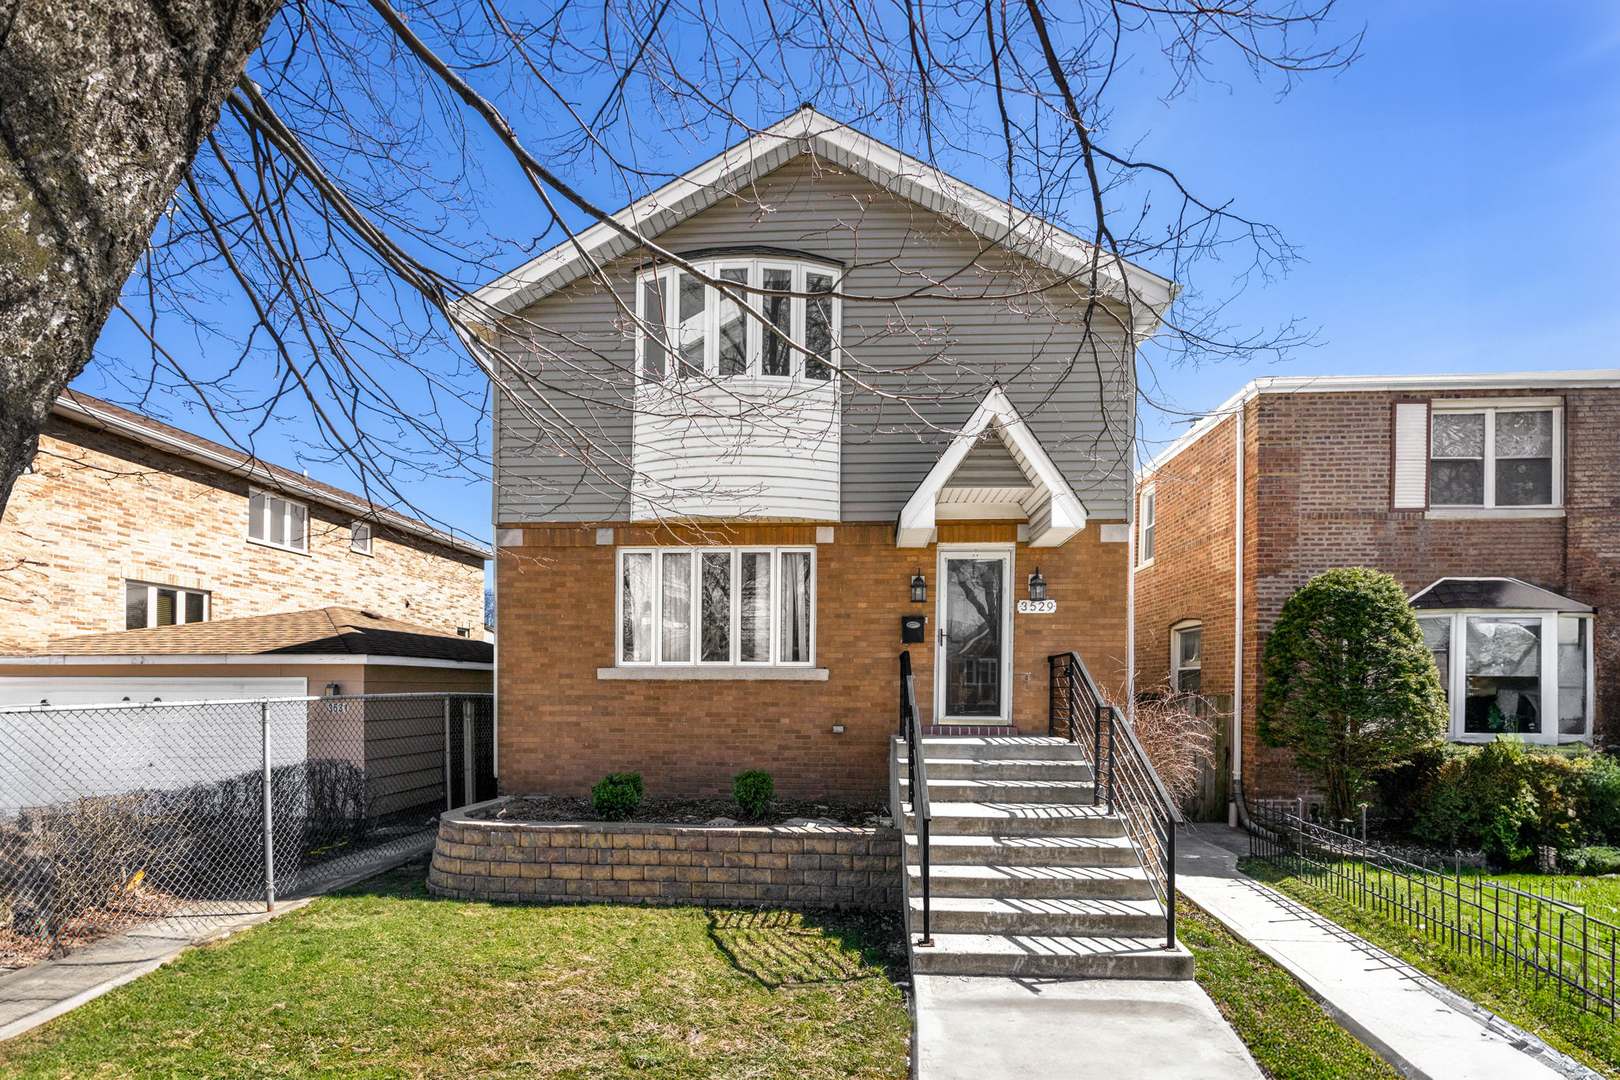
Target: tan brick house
1493, 499
125, 522
722, 580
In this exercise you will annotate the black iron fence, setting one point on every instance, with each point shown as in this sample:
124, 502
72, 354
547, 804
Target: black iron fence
1535, 937
917, 790
117, 815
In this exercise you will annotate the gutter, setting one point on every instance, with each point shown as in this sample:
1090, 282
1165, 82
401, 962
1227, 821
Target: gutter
1236, 809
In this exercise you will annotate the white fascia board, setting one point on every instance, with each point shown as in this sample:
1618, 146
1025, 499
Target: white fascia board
918, 518
250, 659
257, 472
1589, 379
804, 131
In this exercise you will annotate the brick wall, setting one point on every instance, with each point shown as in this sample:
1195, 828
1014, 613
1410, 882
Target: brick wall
772, 866
1317, 479
99, 510
562, 728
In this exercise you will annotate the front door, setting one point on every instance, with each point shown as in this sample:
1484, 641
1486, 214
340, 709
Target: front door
975, 638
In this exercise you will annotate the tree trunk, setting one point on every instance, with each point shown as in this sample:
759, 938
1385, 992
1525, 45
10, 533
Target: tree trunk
103, 104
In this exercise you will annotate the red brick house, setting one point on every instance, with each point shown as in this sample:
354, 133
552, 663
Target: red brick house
719, 580
1494, 499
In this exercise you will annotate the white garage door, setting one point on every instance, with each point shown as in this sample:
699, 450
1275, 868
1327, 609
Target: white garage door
97, 691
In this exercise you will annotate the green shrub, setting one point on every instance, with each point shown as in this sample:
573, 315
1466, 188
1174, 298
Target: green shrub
617, 795
1590, 860
1602, 790
753, 791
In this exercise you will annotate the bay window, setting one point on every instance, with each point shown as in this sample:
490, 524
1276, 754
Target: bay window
1525, 673
716, 605
687, 329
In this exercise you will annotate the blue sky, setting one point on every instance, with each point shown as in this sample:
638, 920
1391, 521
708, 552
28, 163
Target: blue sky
1455, 195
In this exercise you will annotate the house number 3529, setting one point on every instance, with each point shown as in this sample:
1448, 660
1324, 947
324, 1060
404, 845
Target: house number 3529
1036, 607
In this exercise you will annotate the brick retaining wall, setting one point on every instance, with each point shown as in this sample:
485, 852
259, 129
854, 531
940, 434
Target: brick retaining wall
601, 862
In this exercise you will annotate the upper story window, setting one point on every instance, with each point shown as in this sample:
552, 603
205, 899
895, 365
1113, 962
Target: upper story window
716, 605
360, 537
1146, 510
688, 329
1496, 457
1187, 657
162, 605
277, 522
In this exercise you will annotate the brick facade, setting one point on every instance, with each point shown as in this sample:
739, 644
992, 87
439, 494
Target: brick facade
562, 728
1317, 496
774, 866
100, 509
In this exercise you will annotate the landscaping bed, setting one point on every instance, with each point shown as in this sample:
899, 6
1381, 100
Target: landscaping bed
382, 980
662, 811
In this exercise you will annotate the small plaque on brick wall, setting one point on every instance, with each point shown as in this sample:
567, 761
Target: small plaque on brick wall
1115, 534
508, 537
1037, 607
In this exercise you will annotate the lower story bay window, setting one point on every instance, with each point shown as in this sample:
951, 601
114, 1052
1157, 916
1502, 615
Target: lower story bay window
716, 606
1514, 673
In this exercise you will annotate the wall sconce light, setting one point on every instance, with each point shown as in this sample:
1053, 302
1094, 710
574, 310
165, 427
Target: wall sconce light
332, 689
919, 588
1037, 585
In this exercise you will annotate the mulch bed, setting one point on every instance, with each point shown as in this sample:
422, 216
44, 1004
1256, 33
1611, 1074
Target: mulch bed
659, 811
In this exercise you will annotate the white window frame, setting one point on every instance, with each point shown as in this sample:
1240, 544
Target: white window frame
1147, 525
754, 321
1456, 680
1176, 667
1488, 462
354, 541
270, 497
179, 602
774, 602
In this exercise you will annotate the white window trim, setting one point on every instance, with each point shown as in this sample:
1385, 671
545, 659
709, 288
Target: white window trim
1147, 496
1176, 630
266, 541
1456, 680
179, 602
371, 537
1488, 508
754, 322
735, 659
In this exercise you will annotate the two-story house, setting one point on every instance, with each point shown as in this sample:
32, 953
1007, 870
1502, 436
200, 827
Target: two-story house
890, 418
125, 522
1493, 499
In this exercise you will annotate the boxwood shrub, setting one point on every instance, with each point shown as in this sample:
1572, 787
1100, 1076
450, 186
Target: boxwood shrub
617, 795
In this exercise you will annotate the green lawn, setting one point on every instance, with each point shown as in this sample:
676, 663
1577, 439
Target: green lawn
382, 981
1589, 1038
1284, 1028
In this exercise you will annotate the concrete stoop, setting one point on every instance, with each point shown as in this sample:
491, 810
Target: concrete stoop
1027, 877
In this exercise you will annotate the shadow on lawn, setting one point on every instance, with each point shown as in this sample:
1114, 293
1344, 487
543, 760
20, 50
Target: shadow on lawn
789, 948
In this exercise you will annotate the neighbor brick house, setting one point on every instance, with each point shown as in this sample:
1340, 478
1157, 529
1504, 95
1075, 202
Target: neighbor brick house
710, 524
124, 521
1493, 499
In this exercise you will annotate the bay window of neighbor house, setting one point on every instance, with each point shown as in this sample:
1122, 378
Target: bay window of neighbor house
686, 606
687, 329
1499, 457
1514, 673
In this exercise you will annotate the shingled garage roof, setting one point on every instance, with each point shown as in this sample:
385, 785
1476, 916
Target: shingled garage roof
332, 631
1493, 594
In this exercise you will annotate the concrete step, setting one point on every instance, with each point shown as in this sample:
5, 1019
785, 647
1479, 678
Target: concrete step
1038, 769
996, 746
1011, 791
968, 850
1019, 819
1033, 882
1062, 917
1035, 956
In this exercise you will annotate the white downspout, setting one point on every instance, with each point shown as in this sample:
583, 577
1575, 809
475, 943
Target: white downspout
1130, 604
1233, 809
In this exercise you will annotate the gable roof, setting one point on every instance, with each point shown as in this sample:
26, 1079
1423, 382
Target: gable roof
94, 413
809, 132
1492, 594
319, 631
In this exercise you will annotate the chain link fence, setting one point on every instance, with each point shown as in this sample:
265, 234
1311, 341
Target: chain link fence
114, 816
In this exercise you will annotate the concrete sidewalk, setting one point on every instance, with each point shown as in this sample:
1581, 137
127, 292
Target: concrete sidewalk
983, 1027
1414, 1023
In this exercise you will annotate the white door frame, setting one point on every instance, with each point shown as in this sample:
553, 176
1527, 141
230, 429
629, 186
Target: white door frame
1007, 553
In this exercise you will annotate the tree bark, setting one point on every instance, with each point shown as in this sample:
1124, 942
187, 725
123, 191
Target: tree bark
103, 104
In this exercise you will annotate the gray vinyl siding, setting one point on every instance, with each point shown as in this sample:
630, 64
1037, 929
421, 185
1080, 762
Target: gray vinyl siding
1080, 407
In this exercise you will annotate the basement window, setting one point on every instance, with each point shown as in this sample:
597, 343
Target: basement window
147, 605
716, 606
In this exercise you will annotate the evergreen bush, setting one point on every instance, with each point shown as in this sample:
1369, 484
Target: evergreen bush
617, 795
753, 791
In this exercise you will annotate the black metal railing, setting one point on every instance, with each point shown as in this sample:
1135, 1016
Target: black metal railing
1125, 780
1533, 936
917, 784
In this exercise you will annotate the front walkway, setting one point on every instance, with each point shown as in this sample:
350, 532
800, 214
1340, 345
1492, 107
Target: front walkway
982, 1027
1414, 1023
